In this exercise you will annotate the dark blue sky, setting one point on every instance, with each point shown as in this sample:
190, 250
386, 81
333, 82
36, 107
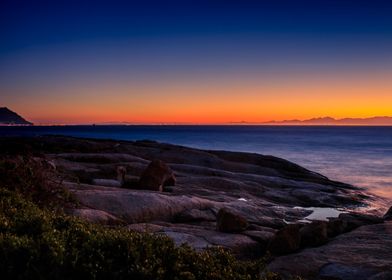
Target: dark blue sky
229, 32
60, 44
323, 29
39, 23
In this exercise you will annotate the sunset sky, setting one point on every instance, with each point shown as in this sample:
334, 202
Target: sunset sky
200, 61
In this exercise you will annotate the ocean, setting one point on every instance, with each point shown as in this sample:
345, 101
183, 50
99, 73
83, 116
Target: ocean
358, 155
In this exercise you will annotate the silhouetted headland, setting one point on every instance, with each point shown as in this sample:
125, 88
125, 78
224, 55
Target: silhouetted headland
8, 117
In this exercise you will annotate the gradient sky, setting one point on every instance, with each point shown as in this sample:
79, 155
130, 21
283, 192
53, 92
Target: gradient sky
195, 61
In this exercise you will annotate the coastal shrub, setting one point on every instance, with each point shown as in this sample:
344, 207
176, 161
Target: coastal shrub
35, 179
39, 242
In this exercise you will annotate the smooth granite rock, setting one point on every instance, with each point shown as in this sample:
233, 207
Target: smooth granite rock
96, 216
364, 253
355, 220
263, 190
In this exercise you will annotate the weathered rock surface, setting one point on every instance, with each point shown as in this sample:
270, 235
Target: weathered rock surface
314, 234
135, 206
108, 183
263, 237
203, 237
355, 220
262, 190
364, 253
336, 226
286, 240
229, 221
195, 215
96, 216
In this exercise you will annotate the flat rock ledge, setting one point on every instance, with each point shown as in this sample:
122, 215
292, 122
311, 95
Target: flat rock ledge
363, 254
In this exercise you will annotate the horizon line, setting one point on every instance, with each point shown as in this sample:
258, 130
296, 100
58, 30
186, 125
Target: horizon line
315, 121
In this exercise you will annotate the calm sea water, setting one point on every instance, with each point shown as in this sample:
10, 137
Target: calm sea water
361, 156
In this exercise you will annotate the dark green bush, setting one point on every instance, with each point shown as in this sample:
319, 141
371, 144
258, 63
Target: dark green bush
35, 179
37, 242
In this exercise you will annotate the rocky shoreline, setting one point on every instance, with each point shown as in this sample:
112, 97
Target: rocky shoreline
248, 203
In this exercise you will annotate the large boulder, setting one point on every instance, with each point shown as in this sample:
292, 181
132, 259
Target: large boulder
230, 221
157, 175
262, 237
314, 234
286, 240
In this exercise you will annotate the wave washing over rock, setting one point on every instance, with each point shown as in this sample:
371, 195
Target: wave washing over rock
248, 203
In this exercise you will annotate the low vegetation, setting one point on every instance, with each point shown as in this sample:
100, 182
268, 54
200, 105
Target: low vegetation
38, 241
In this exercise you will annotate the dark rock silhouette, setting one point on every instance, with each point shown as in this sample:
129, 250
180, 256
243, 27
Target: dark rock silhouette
388, 215
355, 220
314, 234
287, 240
229, 221
336, 226
9, 117
157, 175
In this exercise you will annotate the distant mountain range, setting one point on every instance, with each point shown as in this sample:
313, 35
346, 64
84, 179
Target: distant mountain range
8, 117
332, 121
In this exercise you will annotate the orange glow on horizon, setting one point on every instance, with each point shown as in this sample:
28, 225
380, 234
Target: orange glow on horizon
211, 103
